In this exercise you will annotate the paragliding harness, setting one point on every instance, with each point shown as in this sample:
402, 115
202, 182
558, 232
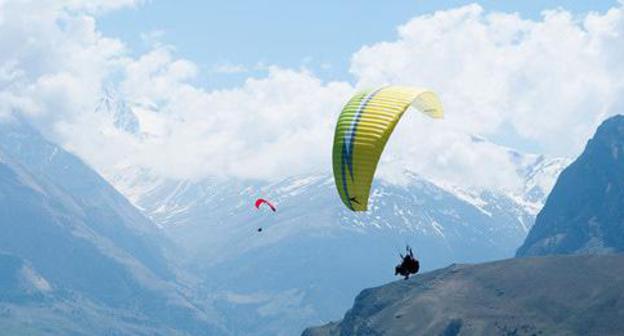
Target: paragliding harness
409, 264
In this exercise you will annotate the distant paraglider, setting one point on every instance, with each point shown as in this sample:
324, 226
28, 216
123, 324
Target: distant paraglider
260, 202
364, 126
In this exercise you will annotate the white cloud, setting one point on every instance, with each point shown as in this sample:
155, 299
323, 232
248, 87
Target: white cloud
269, 127
552, 80
446, 153
52, 63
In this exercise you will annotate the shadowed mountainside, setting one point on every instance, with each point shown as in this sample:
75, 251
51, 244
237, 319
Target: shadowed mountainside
584, 212
75, 254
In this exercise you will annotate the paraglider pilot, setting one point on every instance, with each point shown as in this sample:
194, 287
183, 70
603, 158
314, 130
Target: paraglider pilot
409, 264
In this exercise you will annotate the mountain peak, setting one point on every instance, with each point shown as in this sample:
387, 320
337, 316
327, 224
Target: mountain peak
610, 133
613, 124
114, 106
584, 213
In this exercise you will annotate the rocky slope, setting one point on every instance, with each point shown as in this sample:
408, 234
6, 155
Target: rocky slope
559, 295
585, 212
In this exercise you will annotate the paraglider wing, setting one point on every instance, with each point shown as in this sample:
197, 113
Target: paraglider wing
364, 126
261, 201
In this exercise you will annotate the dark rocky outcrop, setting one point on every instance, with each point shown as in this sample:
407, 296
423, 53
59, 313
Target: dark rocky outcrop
584, 213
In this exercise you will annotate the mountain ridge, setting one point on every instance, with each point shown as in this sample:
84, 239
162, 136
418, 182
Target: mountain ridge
527, 296
92, 254
584, 213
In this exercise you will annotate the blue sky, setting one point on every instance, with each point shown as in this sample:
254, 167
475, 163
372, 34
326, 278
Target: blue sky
320, 35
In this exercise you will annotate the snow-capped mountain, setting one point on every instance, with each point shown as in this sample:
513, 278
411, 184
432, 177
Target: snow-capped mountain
176, 204
538, 178
301, 268
117, 109
536, 175
313, 255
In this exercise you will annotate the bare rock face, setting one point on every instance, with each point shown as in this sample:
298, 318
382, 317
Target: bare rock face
555, 295
584, 213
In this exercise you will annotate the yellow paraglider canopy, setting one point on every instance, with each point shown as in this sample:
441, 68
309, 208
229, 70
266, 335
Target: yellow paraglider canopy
364, 126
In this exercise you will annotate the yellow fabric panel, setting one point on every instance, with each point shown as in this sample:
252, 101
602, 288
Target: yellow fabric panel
363, 129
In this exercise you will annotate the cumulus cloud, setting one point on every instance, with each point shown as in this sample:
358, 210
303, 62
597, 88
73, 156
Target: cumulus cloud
52, 63
273, 126
552, 80
549, 80
446, 153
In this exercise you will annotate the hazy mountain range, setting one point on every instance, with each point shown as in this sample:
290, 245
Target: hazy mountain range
76, 254
313, 255
185, 256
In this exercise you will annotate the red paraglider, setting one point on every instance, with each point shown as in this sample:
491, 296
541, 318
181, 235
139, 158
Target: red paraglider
261, 201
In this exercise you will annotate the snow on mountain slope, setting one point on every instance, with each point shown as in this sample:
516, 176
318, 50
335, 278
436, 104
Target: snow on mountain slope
176, 204
112, 106
538, 174
301, 268
313, 256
